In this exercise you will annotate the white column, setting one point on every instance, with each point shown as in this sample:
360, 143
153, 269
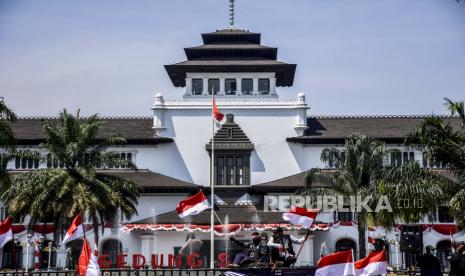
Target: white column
239, 86
272, 86
188, 86
205, 86
145, 246
221, 92
255, 86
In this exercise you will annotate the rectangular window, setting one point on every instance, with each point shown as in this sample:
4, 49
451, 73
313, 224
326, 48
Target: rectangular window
444, 215
247, 86
264, 86
229, 171
230, 86
220, 171
239, 171
396, 158
344, 216
213, 85
197, 86
412, 156
425, 159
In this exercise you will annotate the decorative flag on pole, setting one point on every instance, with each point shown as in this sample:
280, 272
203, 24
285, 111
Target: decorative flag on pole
373, 264
88, 264
36, 252
301, 216
75, 231
193, 205
6, 233
340, 264
217, 115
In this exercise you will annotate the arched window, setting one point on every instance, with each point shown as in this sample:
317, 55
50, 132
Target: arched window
73, 251
346, 244
112, 247
443, 251
12, 256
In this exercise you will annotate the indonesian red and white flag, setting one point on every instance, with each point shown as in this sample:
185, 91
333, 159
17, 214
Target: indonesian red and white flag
193, 205
6, 232
75, 231
336, 264
301, 216
373, 264
88, 261
217, 115
36, 252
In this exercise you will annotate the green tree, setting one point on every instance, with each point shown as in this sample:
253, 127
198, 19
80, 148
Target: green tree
78, 187
361, 171
443, 139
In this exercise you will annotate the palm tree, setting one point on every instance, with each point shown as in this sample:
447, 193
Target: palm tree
444, 142
78, 187
361, 171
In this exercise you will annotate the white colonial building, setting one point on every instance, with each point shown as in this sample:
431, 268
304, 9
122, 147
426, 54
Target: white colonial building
265, 147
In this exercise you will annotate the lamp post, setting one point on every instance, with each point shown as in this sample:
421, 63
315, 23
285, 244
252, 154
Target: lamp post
49, 256
28, 244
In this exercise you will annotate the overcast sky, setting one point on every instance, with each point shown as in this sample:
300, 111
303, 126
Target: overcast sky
353, 57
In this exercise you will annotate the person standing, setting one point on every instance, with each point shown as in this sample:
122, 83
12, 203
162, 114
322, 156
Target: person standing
282, 249
457, 260
429, 264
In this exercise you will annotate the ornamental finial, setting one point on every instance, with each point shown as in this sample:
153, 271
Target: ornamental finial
231, 14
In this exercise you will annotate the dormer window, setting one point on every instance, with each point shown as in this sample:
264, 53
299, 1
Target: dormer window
230, 86
197, 86
247, 86
264, 86
213, 85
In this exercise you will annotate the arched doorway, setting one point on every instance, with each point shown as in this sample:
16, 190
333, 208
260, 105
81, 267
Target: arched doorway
346, 244
112, 247
12, 256
443, 251
73, 251
48, 250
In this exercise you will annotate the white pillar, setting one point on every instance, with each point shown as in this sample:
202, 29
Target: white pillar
255, 86
145, 246
221, 92
158, 113
188, 86
239, 86
272, 86
205, 86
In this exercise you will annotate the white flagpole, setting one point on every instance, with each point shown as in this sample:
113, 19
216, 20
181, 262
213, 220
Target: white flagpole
212, 195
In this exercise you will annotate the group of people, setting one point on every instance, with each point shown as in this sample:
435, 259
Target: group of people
430, 265
277, 250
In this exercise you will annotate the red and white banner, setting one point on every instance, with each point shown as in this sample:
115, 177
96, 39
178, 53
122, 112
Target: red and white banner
217, 115
75, 231
301, 216
6, 234
88, 261
336, 264
373, 264
193, 205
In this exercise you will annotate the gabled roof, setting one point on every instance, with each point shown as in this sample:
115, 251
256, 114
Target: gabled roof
231, 137
136, 130
391, 129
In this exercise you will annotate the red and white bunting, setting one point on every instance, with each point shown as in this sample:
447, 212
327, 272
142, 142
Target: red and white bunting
340, 264
88, 264
373, 264
75, 231
301, 216
193, 205
6, 234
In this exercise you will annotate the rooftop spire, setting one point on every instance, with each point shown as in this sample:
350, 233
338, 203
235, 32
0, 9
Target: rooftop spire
231, 14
